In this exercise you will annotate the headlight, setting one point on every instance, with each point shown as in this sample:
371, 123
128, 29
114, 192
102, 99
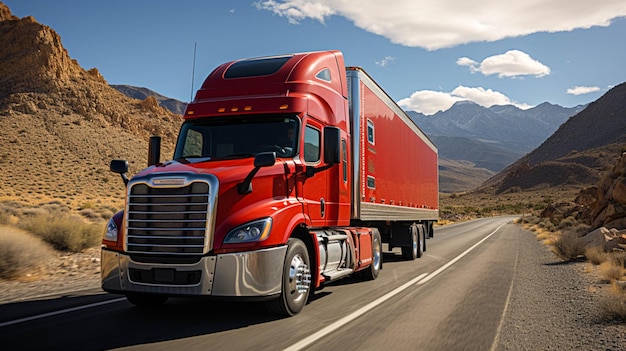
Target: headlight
253, 231
110, 234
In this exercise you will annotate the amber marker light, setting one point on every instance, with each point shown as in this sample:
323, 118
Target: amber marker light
247, 108
234, 109
190, 113
221, 109
284, 107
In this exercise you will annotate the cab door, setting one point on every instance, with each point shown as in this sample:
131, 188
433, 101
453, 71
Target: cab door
315, 188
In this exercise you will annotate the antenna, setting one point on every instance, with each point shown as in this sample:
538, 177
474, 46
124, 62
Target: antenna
193, 69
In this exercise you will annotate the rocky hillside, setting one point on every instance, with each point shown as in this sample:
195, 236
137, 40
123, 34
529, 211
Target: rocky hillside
173, 105
60, 125
577, 154
604, 205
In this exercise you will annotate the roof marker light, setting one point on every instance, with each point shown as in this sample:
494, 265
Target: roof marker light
247, 108
221, 109
234, 109
283, 107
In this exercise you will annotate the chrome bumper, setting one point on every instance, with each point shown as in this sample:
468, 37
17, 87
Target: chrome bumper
242, 274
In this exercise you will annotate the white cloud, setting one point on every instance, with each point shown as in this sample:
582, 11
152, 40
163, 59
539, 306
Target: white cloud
297, 10
430, 102
386, 61
513, 63
582, 90
466, 61
446, 23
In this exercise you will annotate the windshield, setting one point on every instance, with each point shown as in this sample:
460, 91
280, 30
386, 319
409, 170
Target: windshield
237, 137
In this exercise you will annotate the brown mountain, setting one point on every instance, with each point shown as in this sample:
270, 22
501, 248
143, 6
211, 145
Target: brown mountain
60, 125
576, 154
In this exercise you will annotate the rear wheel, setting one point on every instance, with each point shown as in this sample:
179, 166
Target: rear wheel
296, 282
415, 250
372, 271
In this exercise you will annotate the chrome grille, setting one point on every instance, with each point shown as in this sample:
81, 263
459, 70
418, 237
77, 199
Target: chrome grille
167, 220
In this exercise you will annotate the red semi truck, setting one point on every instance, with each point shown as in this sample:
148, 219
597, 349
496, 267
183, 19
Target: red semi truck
289, 172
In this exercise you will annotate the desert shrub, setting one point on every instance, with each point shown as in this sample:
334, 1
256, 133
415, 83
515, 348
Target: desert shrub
546, 224
569, 245
596, 255
611, 271
90, 214
21, 253
4, 218
619, 258
63, 231
614, 305
568, 223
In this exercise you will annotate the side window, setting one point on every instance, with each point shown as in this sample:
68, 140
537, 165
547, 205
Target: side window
344, 160
323, 75
311, 144
193, 143
370, 132
371, 182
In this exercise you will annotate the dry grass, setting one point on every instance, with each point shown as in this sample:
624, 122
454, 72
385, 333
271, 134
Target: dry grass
614, 306
597, 255
56, 224
21, 254
567, 243
611, 271
64, 232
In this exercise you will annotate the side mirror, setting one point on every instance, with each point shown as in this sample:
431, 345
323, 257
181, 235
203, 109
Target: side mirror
121, 167
332, 145
264, 159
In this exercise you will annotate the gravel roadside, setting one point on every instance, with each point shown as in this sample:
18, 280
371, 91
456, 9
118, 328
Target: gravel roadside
65, 273
556, 305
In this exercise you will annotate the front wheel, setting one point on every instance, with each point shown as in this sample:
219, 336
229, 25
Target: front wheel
296, 281
372, 271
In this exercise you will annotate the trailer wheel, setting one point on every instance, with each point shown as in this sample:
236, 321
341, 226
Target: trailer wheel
415, 250
372, 271
424, 236
296, 281
146, 300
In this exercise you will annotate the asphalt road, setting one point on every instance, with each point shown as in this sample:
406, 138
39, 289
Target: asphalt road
454, 297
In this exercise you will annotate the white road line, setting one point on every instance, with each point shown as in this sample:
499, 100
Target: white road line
50, 314
345, 320
496, 340
421, 279
454, 260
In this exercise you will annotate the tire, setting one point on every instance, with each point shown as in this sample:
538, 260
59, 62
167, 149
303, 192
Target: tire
296, 282
424, 232
431, 232
415, 250
372, 271
146, 300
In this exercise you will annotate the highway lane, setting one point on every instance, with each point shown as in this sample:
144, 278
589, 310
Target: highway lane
452, 298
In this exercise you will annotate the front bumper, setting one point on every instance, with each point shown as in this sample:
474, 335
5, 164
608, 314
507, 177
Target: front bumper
242, 274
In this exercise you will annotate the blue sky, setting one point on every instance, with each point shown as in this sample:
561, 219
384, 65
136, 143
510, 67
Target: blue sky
426, 54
